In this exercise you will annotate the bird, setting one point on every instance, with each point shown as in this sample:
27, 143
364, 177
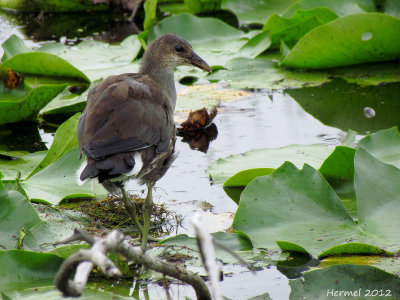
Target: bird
127, 130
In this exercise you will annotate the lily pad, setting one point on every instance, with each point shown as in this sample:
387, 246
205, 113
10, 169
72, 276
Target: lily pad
23, 103
64, 140
43, 235
67, 104
353, 39
20, 269
245, 73
98, 59
256, 45
52, 6
256, 12
60, 181
235, 185
340, 7
383, 145
24, 164
291, 29
224, 168
346, 281
16, 214
49, 292
298, 209
87, 61
339, 165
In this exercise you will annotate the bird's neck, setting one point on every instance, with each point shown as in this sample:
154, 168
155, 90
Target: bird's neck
163, 75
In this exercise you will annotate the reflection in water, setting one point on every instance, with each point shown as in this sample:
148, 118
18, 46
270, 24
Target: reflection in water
199, 139
21, 137
350, 106
296, 264
71, 28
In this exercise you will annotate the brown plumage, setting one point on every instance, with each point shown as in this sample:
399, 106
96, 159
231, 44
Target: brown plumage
128, 123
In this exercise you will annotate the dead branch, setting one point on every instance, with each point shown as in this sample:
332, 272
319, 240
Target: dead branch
85, 260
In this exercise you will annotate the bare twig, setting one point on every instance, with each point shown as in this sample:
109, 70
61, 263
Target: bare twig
206, 248
85, 260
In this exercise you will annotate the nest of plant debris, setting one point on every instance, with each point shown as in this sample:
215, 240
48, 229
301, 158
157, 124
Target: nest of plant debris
109, 213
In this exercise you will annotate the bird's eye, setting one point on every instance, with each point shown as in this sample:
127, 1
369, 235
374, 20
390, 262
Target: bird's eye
179, 48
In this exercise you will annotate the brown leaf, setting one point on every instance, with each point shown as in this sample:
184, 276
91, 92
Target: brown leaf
10, 78
199, 119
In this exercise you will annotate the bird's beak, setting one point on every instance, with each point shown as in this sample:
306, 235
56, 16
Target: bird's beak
198, 62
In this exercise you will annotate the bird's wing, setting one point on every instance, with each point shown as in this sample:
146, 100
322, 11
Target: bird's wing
125, 113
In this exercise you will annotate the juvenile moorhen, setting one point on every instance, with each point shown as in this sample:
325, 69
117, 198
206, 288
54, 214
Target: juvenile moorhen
127, 130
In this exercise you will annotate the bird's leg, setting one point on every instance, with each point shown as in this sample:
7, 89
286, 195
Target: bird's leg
147, 210
131, 209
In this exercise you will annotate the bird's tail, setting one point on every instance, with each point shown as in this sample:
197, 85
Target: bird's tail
109, 167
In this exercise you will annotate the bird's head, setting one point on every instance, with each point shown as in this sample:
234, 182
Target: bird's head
171, 50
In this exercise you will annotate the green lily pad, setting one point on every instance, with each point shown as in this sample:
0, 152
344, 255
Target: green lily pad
245, 73
224, 168
235, 185
299, 208
346, 282
64, 140
352, 39
24, 269
16, 213
340, 7
233, 241
24, 164
60, 181
216, 42
256, 45
67, 104
24, 104
87, 61
52, 5
49, 292
43, 235
150, 9
383, 145
68, 250
339, 165
296, 206
377, 196
369, 74
256, 12
290, 30
98, 59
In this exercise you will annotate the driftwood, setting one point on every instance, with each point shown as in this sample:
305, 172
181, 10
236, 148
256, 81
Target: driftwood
86, 259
